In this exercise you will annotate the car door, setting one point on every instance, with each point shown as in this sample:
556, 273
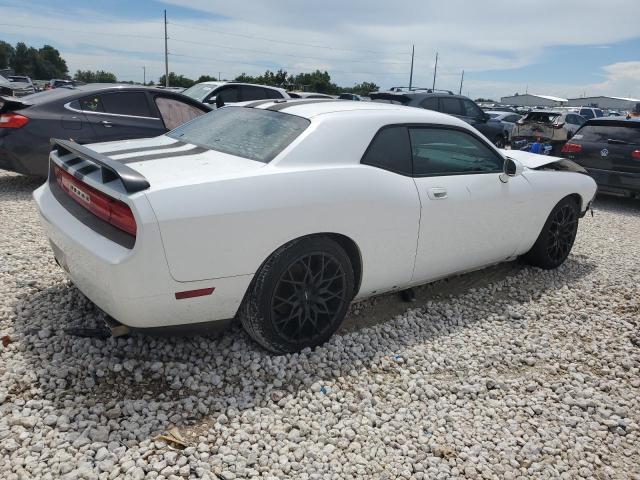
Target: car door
469, 217
120, 115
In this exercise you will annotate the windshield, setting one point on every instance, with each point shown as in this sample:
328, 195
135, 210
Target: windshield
493, 115
200, 90
244, 132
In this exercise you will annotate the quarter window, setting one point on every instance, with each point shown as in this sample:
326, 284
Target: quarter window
471, 109
127, 103
249, 92
440, 151
452, 106
430, 103
91, 104
389, 150
175, 112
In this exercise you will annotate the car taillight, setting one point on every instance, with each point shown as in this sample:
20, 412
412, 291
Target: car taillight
13, 120
636, 154
571, 148
103, 206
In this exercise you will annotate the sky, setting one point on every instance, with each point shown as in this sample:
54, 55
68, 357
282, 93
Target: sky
567, 48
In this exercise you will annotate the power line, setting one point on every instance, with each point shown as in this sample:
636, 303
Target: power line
297, 44
286, 67
110, 34
212, 45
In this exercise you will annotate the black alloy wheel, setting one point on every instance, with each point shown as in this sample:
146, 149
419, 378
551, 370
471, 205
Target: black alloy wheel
562, 233
308, 296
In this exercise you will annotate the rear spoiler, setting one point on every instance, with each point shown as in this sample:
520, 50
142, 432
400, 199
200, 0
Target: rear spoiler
8, 103
109, 169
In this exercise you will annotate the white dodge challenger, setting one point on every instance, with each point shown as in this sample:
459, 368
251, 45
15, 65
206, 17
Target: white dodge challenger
280, 213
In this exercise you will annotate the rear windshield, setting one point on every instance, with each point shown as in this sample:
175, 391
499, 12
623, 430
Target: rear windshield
542, 117
244, 132
200, 90
602, 134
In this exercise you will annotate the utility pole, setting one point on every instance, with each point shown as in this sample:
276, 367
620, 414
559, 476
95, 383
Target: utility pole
435, 71
219, 73
144, 75
461, 80
166, 53
413, 51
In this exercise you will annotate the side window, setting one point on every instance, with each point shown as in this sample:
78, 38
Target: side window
91, 104
249, 92
440, 151
127, 103
389, 150
430, 103
586, 113
272, 93
228, 94
452, 106
512, 118
471, 109
175, 113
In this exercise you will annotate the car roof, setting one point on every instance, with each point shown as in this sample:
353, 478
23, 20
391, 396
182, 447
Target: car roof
501, 112
220, 83
317, 107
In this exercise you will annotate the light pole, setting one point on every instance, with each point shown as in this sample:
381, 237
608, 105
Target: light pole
144, 75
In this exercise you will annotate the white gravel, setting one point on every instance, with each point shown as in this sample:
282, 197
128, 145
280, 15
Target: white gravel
532, 376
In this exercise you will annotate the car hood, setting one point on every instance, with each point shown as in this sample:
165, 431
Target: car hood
166, 163
530, 160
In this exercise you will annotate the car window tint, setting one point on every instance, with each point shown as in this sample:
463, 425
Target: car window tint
127, 103
389, 150
244, 132
586, 113
513, 118
272, 93
228, 94
430, 103
175, 113
602, 133
599, 113
439, 151
249, 92
91, 104
452, 106
471, 109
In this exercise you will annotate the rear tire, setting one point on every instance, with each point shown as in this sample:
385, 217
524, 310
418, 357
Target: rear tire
300, 295
557, 236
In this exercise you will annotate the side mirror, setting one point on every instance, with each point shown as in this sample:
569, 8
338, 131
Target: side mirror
511, 168
219, 101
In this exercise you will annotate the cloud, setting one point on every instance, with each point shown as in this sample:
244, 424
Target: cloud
363, 40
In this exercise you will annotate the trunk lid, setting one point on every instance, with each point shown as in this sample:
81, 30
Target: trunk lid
540, 125
166, 162
12, 104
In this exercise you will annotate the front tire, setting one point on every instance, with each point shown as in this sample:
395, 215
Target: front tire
300, 295
557, 236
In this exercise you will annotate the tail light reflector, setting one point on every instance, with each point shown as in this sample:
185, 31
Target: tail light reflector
103, 206
571, 148
636, 154
13, 120
201, 292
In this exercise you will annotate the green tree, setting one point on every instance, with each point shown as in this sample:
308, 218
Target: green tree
176, 80
99, 76
20, 59
50, 63
6, 54
364, 88
204, 78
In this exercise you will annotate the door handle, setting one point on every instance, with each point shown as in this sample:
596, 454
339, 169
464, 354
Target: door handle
437, 193
106, 123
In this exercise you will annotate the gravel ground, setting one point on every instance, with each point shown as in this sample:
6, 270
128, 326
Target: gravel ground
520, 374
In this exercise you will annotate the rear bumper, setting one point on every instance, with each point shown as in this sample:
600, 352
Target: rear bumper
617, 183
134, 286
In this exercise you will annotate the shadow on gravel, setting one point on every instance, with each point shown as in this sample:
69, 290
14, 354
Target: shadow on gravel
14, 183
139, 386
608, 203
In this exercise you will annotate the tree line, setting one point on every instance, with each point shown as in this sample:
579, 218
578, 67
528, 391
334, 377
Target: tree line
46, 63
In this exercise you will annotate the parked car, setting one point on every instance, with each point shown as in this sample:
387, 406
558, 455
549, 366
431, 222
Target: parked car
60, 82
86, 114
508, 120
196, 225
590, 112
554, 127
351, 96
232, 92
19, 79
309, 95
447, 102
15, 88
609, 148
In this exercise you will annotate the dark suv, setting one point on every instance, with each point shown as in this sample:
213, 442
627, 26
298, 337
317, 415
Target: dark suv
447, 102
609, 148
